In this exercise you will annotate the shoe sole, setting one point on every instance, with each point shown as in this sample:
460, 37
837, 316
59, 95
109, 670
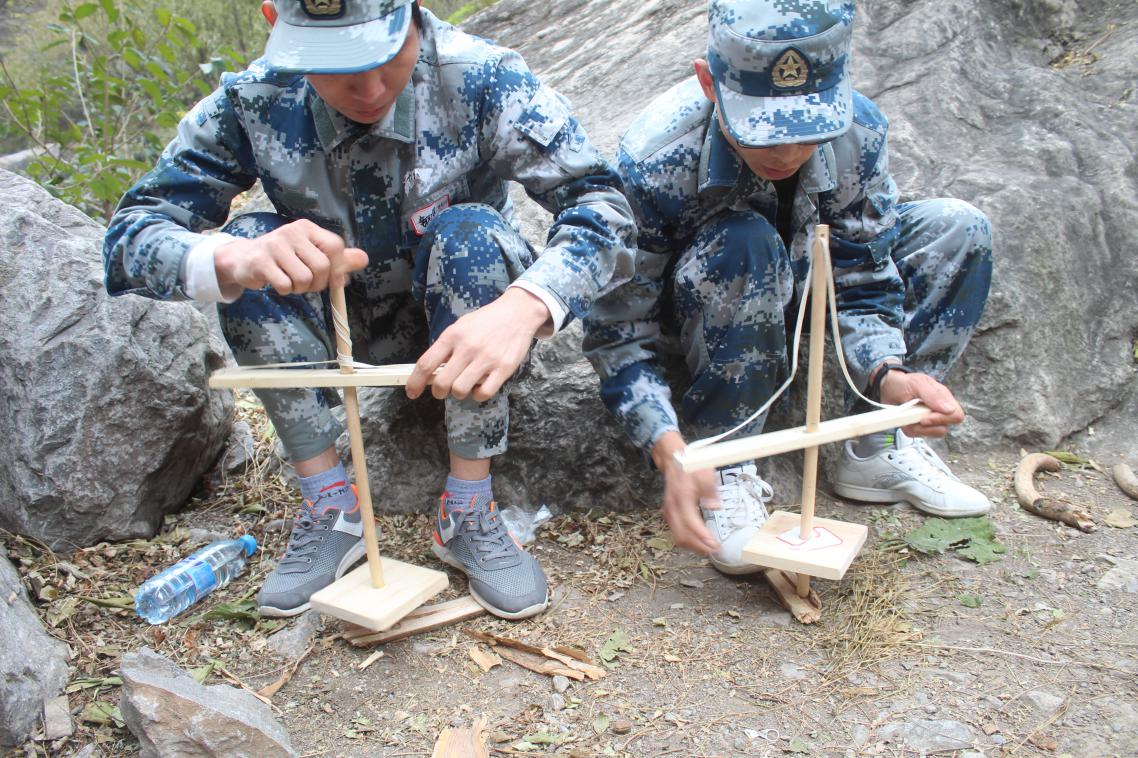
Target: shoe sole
874, 495
356, 552
730, 570
446, 557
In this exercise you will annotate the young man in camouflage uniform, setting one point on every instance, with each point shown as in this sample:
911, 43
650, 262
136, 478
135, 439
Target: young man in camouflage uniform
728, 172
384, 138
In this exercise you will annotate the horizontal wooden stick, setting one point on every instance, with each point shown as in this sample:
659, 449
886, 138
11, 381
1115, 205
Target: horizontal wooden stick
395, 375
785, 440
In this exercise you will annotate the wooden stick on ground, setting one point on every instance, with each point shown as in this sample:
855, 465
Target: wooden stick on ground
1125, 479
1030, 499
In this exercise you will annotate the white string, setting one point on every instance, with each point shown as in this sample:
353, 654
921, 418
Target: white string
343, 337
303, 364
833, 308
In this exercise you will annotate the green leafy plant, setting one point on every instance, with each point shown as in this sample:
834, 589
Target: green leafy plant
104, 116
973, 538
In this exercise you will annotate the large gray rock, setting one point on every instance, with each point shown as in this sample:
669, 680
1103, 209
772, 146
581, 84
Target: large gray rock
107, 421
978, 112
33, 665
175, 717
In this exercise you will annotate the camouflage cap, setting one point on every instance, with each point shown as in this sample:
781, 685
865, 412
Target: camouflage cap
336, 36
781, 68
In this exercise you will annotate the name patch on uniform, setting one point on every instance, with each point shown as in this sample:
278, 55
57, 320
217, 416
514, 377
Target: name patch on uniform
423, 217
323, 8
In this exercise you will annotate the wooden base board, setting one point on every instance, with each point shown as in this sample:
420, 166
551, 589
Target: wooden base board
423, 619
826, 555
806, 609
406, 587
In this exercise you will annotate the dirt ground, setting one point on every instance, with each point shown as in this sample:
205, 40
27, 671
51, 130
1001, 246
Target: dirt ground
1031, 654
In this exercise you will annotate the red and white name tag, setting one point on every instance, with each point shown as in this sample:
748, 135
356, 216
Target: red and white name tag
422, 218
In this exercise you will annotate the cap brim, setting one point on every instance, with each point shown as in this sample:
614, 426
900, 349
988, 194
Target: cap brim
768, 121
337, 49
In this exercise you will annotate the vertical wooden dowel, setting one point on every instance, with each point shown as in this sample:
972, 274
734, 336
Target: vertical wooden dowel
355, 434
820, 261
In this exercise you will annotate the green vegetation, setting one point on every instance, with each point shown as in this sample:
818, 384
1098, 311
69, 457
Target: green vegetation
103, 90
457, 11
100, 85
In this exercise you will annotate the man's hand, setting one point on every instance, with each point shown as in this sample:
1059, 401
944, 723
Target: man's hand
297, 257
482, 349
898, 387
683, 493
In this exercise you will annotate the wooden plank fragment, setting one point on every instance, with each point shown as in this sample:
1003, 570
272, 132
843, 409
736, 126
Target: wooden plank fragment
806, 609
566, 656
785, 440
538, 663
424, 619
485, 660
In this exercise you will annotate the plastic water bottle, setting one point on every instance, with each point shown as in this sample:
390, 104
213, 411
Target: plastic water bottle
164, 596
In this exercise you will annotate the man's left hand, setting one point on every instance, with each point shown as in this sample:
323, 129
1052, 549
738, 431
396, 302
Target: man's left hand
898, 387
481, 350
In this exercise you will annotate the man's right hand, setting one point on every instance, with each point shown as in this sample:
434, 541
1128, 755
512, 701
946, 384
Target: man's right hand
683, 493
297, 257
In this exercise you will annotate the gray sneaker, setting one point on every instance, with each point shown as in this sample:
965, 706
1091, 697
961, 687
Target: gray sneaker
504, 579
323, 545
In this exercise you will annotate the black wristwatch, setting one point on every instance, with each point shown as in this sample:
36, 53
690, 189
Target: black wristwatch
874, 392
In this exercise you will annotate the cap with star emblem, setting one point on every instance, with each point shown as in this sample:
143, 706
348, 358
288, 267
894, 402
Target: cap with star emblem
336, 36
781, 68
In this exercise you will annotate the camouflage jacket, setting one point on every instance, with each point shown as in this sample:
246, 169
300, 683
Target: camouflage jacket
678, 173
472, 117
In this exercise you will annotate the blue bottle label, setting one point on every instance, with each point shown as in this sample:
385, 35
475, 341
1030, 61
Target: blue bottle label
202, 575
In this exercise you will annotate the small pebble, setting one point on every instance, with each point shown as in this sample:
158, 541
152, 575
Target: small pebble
560, 683
621, 726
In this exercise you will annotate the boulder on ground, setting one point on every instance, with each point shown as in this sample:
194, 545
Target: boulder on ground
33, 664
175, 717
108, 423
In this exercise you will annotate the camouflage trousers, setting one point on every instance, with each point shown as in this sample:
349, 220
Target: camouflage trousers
733, 304
396, 308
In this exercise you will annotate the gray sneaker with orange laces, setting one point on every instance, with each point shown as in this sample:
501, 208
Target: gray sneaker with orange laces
504, 579
325, 543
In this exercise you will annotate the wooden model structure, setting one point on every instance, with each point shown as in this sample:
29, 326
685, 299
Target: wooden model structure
380, 593
831, 545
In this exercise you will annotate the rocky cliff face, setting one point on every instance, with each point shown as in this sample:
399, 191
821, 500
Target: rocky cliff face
1025, 108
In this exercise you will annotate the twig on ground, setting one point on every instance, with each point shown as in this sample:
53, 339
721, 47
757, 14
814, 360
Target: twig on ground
272, 689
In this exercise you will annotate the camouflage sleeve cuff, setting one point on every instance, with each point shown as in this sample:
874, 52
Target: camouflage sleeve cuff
641, 401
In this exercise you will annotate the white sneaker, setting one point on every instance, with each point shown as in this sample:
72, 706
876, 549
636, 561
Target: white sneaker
741, 513
908, 470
